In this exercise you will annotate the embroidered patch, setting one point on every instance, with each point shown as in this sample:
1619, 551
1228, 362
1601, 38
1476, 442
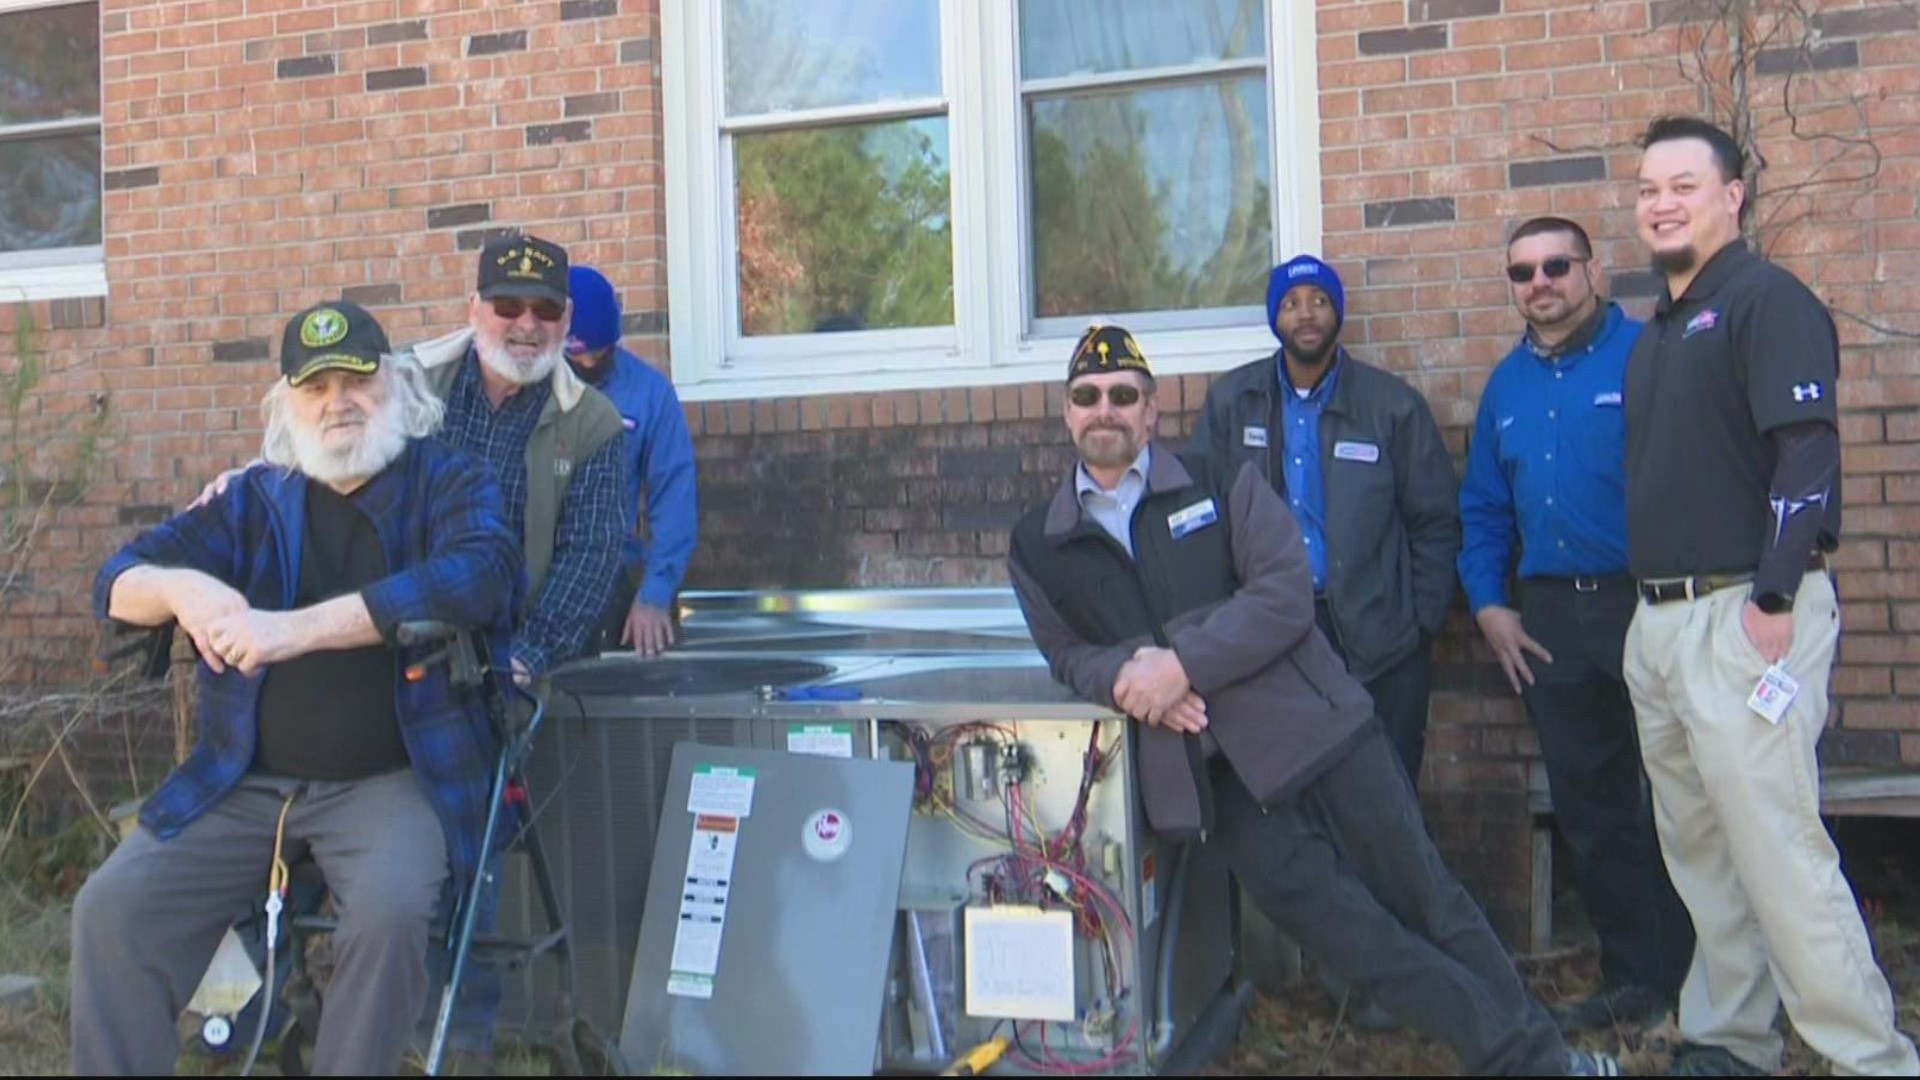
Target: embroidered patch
1706, 320
1253, 436
1356, 451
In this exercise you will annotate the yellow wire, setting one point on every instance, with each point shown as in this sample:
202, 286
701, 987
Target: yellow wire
277, 879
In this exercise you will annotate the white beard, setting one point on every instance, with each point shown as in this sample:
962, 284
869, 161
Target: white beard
381, 441
502, 362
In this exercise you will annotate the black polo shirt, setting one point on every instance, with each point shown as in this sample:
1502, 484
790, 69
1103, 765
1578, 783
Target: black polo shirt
1746, 350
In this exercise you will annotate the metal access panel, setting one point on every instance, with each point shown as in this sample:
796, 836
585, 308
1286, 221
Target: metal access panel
597, 779
770, 911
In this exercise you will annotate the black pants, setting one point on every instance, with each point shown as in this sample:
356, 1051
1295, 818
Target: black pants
1347, 870
1580, 709
1400, 694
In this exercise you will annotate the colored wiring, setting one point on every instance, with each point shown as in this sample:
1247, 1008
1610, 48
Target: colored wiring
1041, 868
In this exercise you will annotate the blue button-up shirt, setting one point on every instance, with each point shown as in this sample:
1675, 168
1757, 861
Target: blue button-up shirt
1113, 510
1548, 466
1306, 481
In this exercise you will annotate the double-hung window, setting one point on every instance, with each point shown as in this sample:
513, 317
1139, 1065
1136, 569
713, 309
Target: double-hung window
896, 194
50, 150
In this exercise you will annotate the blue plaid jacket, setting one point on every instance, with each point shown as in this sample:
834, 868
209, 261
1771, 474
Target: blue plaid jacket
451, 557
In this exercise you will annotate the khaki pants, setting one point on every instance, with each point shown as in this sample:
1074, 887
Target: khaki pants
1737, 807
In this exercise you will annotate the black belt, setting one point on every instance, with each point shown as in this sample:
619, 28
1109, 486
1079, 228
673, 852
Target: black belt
1580, 583
1662, 590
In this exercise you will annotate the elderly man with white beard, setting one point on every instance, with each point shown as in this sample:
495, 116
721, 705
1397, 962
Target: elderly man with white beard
291, 583
552, 439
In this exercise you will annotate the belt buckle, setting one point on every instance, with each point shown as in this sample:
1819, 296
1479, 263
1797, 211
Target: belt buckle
1586, 584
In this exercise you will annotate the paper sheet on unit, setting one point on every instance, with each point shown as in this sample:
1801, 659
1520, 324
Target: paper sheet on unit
1019, 963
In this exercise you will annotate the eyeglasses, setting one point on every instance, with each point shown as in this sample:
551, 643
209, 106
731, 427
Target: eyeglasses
1556, 268
1087, 396
512, 307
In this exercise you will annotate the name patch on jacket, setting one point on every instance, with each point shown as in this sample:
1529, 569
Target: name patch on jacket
1192, 519
1356, 451
1253, 436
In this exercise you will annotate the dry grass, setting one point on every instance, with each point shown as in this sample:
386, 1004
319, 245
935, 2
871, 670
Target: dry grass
33, 941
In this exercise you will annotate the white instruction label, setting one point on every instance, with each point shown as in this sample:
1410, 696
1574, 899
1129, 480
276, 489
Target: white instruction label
821, 740
703, 898
1019, 963
722, 790
711, 860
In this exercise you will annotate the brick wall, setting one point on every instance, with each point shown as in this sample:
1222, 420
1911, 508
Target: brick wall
257, 162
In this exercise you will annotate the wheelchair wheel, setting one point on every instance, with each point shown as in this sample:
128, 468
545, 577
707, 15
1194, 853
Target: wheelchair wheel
295, 1052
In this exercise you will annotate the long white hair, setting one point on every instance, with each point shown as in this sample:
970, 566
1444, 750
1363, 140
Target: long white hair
411, 412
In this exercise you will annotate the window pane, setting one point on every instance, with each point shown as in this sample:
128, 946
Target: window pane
1151, 200
1073, 37
844, 228
783, 55
49, 192
50, 64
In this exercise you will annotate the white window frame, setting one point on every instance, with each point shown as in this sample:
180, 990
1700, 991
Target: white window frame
992, 341
57, 273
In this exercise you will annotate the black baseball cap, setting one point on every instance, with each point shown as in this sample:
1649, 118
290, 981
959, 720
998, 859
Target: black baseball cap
334, 334
1106, 349
523, 266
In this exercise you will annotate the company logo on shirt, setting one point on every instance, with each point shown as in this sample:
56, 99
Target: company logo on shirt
1607, 397
1706, 320
1806, 391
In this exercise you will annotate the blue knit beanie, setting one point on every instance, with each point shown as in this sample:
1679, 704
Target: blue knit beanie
596, 308
1299, 270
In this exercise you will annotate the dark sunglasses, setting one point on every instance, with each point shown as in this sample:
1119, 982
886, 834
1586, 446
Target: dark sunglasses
1557, 267
1121, 394
511, 308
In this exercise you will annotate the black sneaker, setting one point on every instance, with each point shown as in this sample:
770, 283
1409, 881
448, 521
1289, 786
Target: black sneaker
1694, 1059
1608, 1008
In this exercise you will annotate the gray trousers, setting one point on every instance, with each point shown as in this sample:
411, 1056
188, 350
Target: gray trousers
147, 922
1347, 870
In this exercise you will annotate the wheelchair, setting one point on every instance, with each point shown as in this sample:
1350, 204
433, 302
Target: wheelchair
576, 1049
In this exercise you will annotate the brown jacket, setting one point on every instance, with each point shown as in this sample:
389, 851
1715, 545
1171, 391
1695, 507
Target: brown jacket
1235, 603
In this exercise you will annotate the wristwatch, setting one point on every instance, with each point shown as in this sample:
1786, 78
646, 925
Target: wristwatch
1773, 603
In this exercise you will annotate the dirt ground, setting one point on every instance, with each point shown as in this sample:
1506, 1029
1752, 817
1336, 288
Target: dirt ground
1297, 1033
